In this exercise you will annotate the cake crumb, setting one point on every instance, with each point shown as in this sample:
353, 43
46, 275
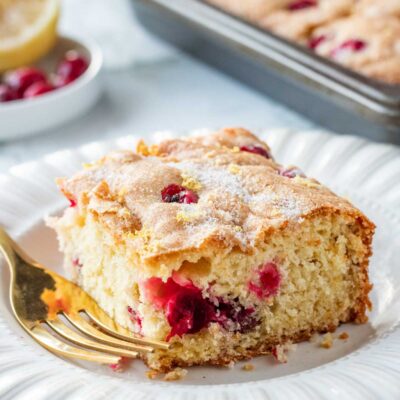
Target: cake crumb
327, 341
175, 375
230, 365
280, 352
314, 338
151, 374
248, 367
116, 367
122, 365
344, 336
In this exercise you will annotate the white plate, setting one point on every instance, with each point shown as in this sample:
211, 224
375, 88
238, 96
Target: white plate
29, 116
367, 366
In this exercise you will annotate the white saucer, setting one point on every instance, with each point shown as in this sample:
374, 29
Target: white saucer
30, 116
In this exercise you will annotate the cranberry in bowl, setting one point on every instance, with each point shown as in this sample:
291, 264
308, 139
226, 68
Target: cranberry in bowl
58, 88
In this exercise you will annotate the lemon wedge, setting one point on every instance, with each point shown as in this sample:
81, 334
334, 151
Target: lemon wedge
28, 30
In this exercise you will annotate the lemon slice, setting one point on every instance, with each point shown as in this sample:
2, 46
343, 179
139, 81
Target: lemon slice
28, 30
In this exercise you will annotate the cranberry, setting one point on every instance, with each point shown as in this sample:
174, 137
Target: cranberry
37, 89
256, 150
352, 45
268, 282
185, 308
291, 172
71, 67
178, 194
59, 81
188, 312
72, 203
301, 4
234, 317
135, 317
313, 43
158, 292
22, 78
7, 93
77, 263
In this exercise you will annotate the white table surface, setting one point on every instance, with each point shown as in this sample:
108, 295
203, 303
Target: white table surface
147, 86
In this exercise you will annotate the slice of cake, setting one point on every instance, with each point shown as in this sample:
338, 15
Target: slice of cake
209, 244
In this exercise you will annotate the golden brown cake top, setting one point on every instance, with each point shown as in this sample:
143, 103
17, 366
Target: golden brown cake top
187, 195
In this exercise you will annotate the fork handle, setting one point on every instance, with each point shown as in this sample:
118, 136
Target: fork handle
7, 247
12, 252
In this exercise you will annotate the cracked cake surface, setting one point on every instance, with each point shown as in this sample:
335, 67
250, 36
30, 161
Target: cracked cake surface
209, 243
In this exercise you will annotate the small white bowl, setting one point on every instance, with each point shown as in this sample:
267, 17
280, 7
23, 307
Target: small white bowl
29, 116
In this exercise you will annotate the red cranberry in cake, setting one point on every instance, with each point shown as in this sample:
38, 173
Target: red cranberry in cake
302, 4
256, 150
188, 312
76, 263
234, 317
314, 42
72, 203
351, 45
135, 317
158, 292
185, 308
178, 194
267, 282
20, 79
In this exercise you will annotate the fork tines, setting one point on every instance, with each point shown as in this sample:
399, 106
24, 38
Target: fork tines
109, 346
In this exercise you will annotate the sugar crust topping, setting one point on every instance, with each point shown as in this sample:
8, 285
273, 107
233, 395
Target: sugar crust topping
237, 207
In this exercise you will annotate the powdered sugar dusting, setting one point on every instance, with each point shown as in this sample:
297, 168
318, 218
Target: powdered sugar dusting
225, 181
214, 177
289, 207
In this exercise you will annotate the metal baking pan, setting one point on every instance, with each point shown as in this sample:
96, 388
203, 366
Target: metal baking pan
333, 96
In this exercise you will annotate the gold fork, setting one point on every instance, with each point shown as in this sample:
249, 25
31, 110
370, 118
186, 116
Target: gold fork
39, 297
